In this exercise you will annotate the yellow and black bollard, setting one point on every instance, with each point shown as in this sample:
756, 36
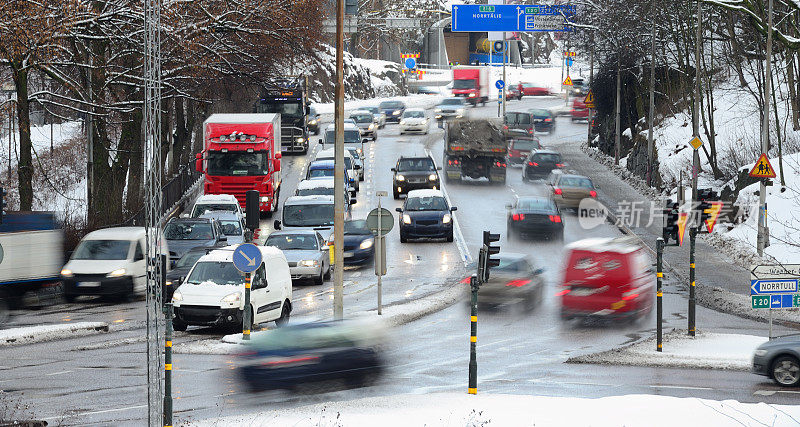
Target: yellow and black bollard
692, 235
168, 367
473, 336
659, 294
246, 320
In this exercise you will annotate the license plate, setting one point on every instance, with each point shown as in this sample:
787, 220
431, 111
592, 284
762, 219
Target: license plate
583, 292
89, 284
348, 254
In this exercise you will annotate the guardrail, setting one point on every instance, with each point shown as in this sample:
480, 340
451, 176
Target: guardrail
172, 193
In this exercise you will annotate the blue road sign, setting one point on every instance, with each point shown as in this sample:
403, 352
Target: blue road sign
569, 62
411, 63
247, 257
511, 17
500, 84
780, 301
773, 286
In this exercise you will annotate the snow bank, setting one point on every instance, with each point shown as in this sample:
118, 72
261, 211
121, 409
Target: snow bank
455, 409
34, 334
706, 350
416, 101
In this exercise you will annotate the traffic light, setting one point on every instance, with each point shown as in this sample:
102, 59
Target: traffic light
489, 262
2, 203
670, 228
704, 198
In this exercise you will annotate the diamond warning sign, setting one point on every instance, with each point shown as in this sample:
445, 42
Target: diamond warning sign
567, 81
762, 168
589, 100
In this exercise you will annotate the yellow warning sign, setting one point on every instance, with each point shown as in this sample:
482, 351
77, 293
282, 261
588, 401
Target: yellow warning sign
696, 143
713, 214
762, 168
589, 100
567, 81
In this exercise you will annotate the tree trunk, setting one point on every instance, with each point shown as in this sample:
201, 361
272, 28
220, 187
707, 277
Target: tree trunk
181, 135
133, 200
794, 101
25, 169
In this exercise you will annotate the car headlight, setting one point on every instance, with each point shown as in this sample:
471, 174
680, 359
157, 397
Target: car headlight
309, 263
300, 139
396, 112
168, 283
366, 244
446, 219
371, 126
358, 150
432, 177
233, 298
472, 95
400, 178
761, 352
460, 111
438, 110
66, 272
116, 273
406, 219
312, 122
177, 296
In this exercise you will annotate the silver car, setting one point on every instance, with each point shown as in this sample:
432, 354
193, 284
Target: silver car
380, 117
779, 359
306, 252
231, 225
366, 122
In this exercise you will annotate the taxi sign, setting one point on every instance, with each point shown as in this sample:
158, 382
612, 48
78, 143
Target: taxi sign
589, 100
696, 142
567, 81
762, 168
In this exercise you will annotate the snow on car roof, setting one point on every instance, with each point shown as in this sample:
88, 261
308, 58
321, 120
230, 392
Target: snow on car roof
220, 215
415, 109
603, 244
425, 193
116, 233
226, 254
329, 153
216, 198
308, 184
307, 200
242, 118
347, 126
321, 164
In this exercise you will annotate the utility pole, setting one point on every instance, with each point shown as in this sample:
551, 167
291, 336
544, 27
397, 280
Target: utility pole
762, 193
505, 83
695, 219
591, 79
650, 143
616, 120
338, 173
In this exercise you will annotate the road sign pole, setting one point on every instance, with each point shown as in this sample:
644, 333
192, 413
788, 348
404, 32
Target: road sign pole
659, 280
616, 119
378, 258
505, 53
762, 193
338, 202
246, 319
472, 387
591, 79
692, 234
650, 143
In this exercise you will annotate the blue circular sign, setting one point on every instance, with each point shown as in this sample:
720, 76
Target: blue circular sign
499, 84
411, 63
569, 61
247, 257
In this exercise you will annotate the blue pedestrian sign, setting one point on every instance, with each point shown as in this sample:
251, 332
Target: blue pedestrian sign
411, 63
511, 17
500, 84
247, 257
569, 62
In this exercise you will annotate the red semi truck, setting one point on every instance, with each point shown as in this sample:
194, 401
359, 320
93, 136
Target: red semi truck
471, 83
242, 152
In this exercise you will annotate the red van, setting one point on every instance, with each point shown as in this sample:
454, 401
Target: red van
579, 110
606, 278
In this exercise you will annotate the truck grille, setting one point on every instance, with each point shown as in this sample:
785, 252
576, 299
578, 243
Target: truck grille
238, 190
289, 134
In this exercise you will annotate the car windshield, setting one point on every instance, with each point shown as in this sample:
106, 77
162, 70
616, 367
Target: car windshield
316, 191
464, 84
290, 109
221, 273
453, 101
575, 181
320, 173
202, 208
356, 227
518, 118
423, 165
237, 163
534, 204
373, 110
391, 104
308, 215
524, 144
547, 157
102, 249
188, 231
433, 203
189, 259
362, 118
414, 114
540, 113
527, 85
513, 265
350, 136
288, 242
231, 227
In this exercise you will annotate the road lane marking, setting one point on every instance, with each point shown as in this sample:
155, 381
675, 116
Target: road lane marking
686, 387
105, 411
458, 236
57, 373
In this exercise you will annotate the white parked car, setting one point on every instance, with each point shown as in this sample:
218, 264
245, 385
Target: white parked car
213, 292
414, 120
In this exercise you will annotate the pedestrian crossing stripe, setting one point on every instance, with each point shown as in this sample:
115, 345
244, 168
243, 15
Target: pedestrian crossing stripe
567, 81
763, 168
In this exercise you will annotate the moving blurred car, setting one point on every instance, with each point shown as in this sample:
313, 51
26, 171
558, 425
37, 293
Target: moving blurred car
520, 145
216, 202
378, 115
366, 122
579, 110
534, 216
231, 226
313, 120
515, 282
414, 120
393, 110
413, 173
181, 268
540, 163
289, 357
183, 234
358, 156
450, 108
426, 214
530, 89
543, 120
359, 244
519, 120
606, 278
578, 87
306, 252
512, 92
779, 359
213, 292
569, 190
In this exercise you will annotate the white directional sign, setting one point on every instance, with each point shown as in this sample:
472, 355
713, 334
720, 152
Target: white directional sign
774, 279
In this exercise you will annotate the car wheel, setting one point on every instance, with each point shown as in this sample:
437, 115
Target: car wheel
559, 236
396, 195
70, 297
5, 308
320, 279
361, 177
401, 132
450, 236
403, 238
285, 314
786, 371
328, 273
510, 236
179, 326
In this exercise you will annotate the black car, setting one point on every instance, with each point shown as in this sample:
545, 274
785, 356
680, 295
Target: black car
543, 120
519, 120
180, 269
313, 120
540, 163
414, 173
183, 234
393, 110
359, 244
534, 216
426, 214
515, 282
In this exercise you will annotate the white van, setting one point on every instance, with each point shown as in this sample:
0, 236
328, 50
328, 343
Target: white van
110, 263
213, 292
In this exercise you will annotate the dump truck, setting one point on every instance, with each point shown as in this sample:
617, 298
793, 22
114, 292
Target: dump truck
475, 148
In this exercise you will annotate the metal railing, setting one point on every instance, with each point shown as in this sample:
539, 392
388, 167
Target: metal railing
171, 193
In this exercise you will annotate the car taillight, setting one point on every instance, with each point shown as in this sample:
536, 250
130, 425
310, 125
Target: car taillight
561, 293
500, 165
518, 283
465, 280
289, 361
559, 165
518, 217
256, 232
548, 120
557, 191
627, 296
530, 130
555, 218
505, 127
533, 164
593, 193
453, 162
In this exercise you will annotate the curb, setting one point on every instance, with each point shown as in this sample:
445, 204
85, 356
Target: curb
37, 334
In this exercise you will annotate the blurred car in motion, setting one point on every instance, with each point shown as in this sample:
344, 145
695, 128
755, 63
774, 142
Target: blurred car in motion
359, 244
313, 120
216, 202
321, 187
540, 164
366, 122
414, 173
393, 110
543, 120
578, 87
779, 359
450, 108
512, 92
183, 234
358, 157
579, 110
426, 214
181, 268
534, 216
414, 120
306, 252
213, 292
110, 263
230, 225
519, 120
606, 278
530, 89
289, 357
516, 282
520, 145
378, 115
309, 212
569, 190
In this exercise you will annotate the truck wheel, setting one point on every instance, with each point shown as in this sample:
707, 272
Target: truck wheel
286, 312
396, 195
328, 273
179, 326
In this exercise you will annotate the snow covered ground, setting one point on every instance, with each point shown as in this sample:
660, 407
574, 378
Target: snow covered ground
34, 334
463, 410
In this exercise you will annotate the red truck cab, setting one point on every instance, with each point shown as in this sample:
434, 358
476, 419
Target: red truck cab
472, 83
242, 152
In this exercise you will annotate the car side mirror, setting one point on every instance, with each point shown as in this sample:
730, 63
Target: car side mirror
223, 238
278, 156
353, 201
538, 271
198, 162
453, 209
171, 263
277, 224
399, 210
438, 168
186, 215
393, 169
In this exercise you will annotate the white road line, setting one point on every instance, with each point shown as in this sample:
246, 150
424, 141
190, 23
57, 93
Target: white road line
686, 387
459, 237
57, 373
105, 411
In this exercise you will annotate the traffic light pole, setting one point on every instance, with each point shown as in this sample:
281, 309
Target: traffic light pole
692, 235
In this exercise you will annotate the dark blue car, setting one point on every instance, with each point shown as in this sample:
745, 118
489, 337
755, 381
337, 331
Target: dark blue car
393, 110
359, 244
426, 215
